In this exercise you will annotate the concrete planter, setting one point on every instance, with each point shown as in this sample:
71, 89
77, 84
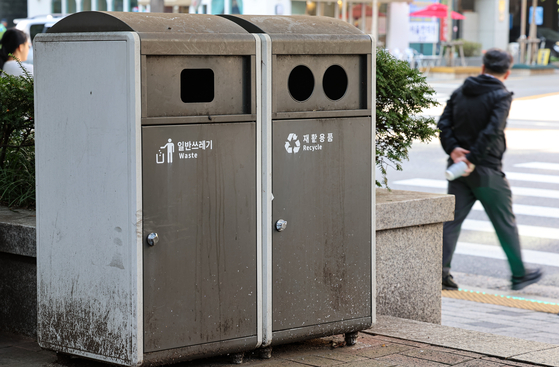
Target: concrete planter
408, 242
409, 253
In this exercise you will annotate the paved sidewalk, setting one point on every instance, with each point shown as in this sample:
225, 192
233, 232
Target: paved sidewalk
501, 320
391, 342
506, 349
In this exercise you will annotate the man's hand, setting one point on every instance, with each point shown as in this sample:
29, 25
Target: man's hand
459, 155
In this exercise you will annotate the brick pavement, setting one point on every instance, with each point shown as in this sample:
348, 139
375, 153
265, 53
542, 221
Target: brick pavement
419, 344
370, 351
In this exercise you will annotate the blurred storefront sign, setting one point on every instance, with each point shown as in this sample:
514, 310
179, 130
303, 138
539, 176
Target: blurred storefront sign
423, 30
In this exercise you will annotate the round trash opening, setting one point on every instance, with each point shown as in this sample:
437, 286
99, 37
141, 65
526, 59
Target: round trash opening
300, 83
335, 82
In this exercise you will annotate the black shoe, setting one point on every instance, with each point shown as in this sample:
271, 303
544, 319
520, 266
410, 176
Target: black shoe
532, 276
449, 283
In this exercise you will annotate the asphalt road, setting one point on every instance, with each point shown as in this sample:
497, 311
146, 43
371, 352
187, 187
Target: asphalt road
532, 167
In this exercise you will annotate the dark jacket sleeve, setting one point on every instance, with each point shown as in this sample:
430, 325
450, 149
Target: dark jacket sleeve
448, 140
488, 137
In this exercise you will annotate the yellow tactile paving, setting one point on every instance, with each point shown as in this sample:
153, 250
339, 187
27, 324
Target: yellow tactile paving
508, 301
536, 96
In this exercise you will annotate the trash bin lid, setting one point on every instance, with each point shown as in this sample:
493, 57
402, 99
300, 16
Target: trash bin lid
104, 21
166, 33
296, 24
304, 34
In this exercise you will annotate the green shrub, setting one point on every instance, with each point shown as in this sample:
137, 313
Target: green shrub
17, 141
402, 93
471, 48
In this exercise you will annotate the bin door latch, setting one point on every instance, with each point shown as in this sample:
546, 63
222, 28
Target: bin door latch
152, 239
281, 225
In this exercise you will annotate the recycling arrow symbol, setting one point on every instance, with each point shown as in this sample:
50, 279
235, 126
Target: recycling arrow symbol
292, 138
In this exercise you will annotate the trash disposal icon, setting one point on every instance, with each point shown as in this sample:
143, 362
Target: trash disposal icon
292, 138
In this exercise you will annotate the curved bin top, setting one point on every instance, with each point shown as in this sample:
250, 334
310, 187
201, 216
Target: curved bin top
294, 24
304, 34
164, 33
102, 21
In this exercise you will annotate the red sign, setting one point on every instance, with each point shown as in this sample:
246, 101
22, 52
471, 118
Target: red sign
443, 30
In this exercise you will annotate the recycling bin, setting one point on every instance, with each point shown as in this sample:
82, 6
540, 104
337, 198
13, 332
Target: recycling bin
148, 207
318, 149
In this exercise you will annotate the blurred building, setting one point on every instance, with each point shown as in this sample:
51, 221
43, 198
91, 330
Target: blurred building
487, 22
492, 23
267, 7
44, 7
359, 13
547, 17
392, 17
495, 23
12, 9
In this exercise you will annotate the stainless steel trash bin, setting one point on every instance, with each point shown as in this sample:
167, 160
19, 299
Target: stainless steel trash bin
318, 141
147, 201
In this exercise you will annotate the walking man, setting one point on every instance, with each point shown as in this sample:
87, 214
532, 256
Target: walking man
472, 131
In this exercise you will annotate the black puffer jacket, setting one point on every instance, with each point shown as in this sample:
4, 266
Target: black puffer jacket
475, 118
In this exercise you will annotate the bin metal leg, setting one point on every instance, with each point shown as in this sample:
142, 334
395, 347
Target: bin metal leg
237, 358
265, 353
351, 338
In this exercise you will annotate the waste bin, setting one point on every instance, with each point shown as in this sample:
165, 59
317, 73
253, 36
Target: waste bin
147, 201
318, 149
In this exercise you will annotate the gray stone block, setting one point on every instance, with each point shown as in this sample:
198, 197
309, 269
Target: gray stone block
17, 232
409, 253
409, 272
399, 208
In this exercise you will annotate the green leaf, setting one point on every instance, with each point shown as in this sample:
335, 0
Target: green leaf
402, 93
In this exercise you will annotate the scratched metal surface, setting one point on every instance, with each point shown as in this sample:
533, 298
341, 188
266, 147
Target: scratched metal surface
322, 188
200, 279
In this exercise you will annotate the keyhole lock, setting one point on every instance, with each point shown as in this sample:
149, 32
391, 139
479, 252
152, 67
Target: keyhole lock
281, 225
152, 239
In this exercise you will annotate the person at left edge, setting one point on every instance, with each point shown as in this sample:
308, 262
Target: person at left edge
15, 42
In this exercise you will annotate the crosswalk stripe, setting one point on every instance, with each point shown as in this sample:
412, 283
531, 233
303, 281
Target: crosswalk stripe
445, 85
539, 165
423, 182
523, 230
532, 177
540, 193
496, 252
531, 210
442, 184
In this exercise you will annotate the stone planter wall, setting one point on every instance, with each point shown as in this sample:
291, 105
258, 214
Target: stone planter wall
409, 253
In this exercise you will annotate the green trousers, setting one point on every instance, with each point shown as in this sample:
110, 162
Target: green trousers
492, 189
